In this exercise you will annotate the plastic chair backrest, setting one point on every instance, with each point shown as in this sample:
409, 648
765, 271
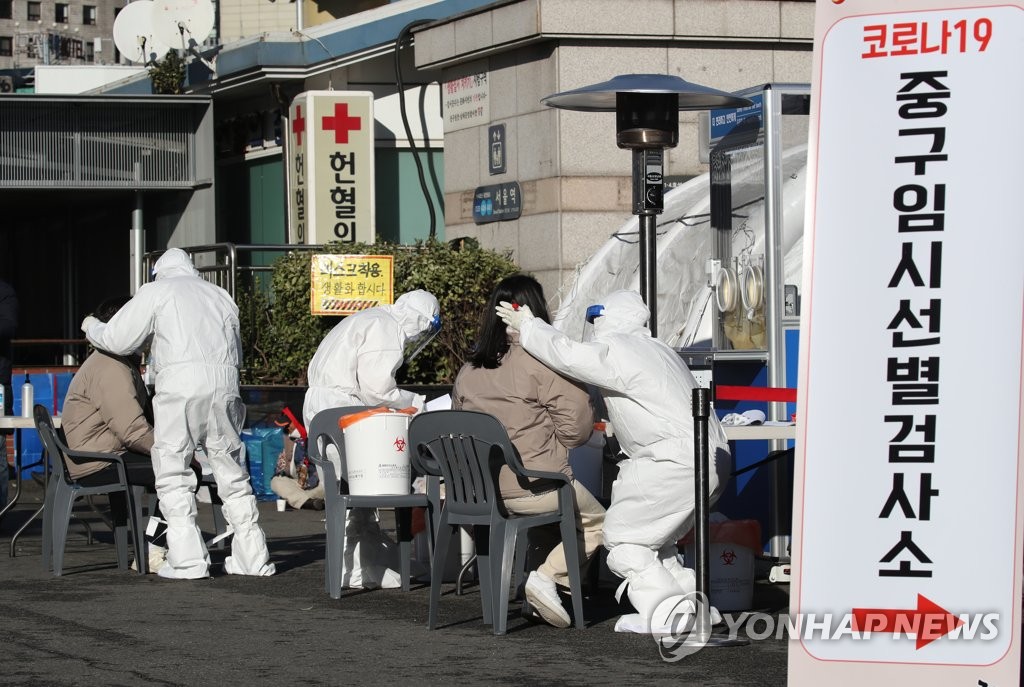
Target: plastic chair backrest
53, 442
324, 431
469, 449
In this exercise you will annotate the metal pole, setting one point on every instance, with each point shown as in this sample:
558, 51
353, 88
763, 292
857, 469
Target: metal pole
773, 308
702, 512
649, 269
137, 243
137, 240
647, 203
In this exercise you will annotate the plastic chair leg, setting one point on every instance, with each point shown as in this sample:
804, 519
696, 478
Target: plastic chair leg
505, 538
63, 501
485, 567
444, 535
135, 497
403, 520
48, 506
336, 548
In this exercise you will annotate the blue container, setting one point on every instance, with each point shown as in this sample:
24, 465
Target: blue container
263, 445
62, 382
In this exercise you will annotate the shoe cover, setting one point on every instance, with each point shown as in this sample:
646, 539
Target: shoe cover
686, 578
632, 622
391, 580
169, 573
233, 568
371, 558
673, 617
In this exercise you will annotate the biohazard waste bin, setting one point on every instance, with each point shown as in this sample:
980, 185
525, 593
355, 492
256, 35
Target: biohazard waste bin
377, 451
732, 547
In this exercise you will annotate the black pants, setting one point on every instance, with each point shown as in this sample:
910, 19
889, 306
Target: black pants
139, 469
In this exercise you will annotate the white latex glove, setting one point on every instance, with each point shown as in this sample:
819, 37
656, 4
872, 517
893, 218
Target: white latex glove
88, 322
513, 315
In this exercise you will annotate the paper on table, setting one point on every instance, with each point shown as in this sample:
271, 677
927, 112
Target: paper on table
439, 403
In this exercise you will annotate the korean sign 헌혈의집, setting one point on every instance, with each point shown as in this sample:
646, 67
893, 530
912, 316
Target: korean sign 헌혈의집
330, 163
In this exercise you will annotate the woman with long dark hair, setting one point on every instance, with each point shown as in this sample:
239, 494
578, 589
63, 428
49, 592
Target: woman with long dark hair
545, 415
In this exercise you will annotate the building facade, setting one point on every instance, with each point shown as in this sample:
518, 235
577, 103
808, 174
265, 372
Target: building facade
75, 32
576, 183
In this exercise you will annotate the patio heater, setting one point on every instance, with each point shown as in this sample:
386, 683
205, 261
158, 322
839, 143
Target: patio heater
646, 110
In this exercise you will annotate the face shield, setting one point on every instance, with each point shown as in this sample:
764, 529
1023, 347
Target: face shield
593, 312
415, 345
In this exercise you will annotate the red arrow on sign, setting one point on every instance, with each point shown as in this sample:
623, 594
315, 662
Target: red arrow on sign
927, 622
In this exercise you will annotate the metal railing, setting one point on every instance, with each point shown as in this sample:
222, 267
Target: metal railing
100, 142
229, 265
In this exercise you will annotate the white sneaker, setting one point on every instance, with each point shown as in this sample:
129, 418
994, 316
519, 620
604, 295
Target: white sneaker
540, 592
157, 558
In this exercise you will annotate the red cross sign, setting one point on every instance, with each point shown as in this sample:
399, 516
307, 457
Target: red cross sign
341, 123
298, 124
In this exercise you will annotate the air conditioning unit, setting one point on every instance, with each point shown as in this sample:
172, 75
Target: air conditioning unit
6, 84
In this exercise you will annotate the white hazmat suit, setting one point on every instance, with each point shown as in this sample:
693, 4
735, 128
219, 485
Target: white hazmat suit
647, 391
355, 365
196, 352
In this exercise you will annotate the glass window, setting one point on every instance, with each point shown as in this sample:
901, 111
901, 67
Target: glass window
35, 11
89, 15
5, 9
6, 46
90, 51
60, 13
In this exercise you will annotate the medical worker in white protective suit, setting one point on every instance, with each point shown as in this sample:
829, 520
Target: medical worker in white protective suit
355, 365
196, 350
647, 392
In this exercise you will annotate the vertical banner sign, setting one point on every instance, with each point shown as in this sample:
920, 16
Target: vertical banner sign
346, 284
330, 167
907, 503
295, 164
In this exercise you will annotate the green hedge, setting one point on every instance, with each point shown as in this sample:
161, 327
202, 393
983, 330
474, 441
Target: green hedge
280, 336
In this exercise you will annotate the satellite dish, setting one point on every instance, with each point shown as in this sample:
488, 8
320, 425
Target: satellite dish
133, 33
183, 24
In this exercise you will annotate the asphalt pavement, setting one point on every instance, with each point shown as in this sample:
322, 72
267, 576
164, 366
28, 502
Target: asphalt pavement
98, 625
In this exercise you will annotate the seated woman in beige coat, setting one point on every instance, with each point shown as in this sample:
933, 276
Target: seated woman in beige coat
105, 412
545, 415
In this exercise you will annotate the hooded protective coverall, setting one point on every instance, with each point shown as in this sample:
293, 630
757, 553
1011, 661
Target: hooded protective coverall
647, 391
355, 365
196, 352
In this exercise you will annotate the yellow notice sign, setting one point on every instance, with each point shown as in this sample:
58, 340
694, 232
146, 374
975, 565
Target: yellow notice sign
346, 284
